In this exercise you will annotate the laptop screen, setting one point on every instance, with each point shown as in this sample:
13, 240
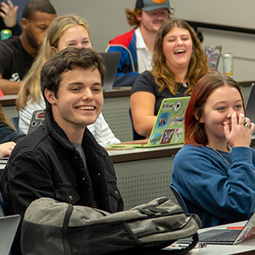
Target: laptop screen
111, 60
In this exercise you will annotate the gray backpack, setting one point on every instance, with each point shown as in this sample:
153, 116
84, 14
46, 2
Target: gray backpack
52, 227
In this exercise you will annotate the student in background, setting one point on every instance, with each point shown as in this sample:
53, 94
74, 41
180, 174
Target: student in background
8, 136
18, 52
65, 31
215, 170
8, 20
178, 63
61, 159
136, 46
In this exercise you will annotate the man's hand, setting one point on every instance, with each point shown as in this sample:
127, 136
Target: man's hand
9, 13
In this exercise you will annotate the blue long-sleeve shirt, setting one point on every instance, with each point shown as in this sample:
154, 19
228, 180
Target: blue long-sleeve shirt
8, 134
217, 191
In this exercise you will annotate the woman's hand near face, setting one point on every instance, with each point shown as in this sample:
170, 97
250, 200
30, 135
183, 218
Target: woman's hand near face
240, 132
6, 149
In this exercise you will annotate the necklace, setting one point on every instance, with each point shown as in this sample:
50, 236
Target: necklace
219, 155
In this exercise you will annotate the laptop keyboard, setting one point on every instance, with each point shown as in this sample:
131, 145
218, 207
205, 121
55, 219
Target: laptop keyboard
228, 235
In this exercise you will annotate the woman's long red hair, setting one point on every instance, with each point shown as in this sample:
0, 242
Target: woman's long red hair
194, 130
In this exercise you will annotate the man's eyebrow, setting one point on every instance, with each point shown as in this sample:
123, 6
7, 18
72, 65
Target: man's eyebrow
75, 83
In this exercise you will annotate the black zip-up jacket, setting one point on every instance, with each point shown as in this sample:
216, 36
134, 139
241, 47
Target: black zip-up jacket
46, 164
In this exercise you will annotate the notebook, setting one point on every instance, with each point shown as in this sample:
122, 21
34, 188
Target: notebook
228, 235
37, 120
111, 60
213, 54
250, 106
168, 127
8, 229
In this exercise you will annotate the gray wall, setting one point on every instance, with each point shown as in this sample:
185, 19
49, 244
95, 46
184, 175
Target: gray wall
106, 19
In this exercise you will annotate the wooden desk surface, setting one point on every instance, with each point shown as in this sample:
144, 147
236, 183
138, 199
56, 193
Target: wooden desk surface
134, 154
127, 155
8, 100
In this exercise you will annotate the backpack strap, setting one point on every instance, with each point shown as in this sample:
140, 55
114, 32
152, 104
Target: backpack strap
64, 230
180, 251
157, 250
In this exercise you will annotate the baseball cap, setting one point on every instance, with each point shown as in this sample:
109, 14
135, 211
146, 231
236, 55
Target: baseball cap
149, 5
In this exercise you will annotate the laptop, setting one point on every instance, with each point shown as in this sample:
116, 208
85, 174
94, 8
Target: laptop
213, 54
250, 106
37, 120
111, 60
231, 235
168, 127
8, 229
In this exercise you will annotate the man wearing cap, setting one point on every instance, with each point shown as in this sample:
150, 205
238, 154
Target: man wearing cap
136, 46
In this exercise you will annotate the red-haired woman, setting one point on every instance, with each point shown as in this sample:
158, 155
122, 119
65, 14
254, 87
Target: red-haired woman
215, 170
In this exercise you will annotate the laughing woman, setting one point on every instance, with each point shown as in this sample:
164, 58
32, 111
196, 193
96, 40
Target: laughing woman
178, 63
215, 170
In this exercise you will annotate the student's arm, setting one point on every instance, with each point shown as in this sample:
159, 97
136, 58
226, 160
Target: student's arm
6, 149
204, 179
9, 87
142, 106
26, 178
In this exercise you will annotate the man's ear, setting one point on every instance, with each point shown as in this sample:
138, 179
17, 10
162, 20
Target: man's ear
199, 119
139, 17
24, 23
50, 96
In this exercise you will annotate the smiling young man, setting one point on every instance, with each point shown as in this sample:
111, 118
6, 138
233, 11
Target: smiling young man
61, 159
18, 52
136, 46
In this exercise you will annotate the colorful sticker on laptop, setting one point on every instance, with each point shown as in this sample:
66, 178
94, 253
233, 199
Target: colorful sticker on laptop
177, 106
167, 106
40, 115
178, 134
34, 123
156, 138
176, 120
162, 121
167, 136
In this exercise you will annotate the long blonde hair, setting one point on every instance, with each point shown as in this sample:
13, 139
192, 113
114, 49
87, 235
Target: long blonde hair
198, 65
30, 88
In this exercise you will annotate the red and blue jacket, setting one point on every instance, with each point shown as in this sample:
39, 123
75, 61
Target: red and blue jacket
127, 67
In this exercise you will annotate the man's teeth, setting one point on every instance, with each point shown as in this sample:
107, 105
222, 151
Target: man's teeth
86, 107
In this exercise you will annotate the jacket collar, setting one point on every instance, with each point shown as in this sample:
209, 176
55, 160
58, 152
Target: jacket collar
58, 133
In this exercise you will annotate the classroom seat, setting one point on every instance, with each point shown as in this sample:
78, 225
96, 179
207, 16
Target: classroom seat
179, 198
